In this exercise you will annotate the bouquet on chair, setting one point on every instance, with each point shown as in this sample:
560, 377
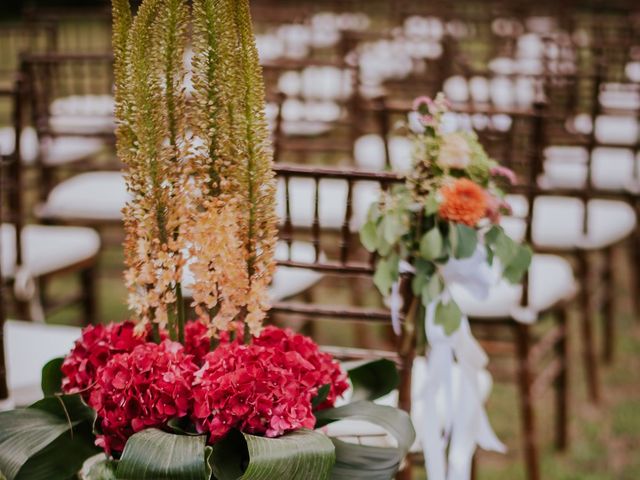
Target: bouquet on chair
440, 229
219, 397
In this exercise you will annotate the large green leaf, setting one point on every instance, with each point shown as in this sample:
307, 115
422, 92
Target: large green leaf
431, 244
52, 377
463, 240
152, 454
354, 461
299, 455
372, 379
32, 439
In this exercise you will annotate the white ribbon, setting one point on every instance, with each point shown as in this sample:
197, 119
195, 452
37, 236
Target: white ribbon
451, 385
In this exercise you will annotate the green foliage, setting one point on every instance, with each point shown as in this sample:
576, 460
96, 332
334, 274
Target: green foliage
32, 439
299, 455
515, 258
372, 379
463, 240
51, 381
355, 462
448, 315
152, 454
431, 244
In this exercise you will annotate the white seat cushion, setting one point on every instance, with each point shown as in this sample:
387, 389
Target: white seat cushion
332, 202
57, 151
617, 129
287, 281
369, 154
29, 346
88, 196
611, 168
558, 222
550, 281
46, 248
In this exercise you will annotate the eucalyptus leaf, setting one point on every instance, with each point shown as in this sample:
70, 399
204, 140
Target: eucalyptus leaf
51, 382
466, 240
431, 244
519, 265
449, 316
152, 454
386, 273
369, 236
431, 290
431, 204
299, 455
363, 462
372, 379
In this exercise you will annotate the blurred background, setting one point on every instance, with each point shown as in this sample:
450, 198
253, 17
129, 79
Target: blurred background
551, 87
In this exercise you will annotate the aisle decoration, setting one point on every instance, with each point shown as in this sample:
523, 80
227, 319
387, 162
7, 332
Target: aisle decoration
220, 396
441, 229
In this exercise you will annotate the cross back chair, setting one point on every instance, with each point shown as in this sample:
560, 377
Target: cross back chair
69, 98
548, 351
537, 335
32, 254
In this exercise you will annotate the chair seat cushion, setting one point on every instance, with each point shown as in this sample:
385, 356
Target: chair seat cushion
88, 196
57, 151
287, 281
331, 205
46, 248
611, 168
28, 347
558, 222
551, 280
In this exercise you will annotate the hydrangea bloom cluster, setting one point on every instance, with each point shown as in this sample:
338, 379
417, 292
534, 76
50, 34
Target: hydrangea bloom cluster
141, 389
255, 389
326, 371
264, 388
93, 350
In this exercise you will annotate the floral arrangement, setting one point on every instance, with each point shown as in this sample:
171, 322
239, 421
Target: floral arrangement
440, 230
220, 397
449, 207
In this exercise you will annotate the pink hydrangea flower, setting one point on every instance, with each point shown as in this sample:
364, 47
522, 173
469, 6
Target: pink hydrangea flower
326, 371
93, 350
141, 389
255, 389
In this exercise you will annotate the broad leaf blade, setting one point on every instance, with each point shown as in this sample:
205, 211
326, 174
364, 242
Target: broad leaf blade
299, 455
354, 462
51, 382
31, 440
152, 454
372, 379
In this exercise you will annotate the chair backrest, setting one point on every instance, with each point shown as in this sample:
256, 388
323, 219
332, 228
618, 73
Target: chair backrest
77, 29
70, 94
325, 207
314, 106
17, 39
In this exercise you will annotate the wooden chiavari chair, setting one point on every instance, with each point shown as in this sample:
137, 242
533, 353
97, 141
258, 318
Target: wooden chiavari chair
70, 100
32, 254
536, 371
536, 336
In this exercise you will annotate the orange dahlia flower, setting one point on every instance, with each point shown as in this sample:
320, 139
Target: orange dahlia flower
463, 201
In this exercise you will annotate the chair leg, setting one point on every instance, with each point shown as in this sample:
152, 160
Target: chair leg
608, 310
88, 277
590, 363
635, 271
561, 383
526, 402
